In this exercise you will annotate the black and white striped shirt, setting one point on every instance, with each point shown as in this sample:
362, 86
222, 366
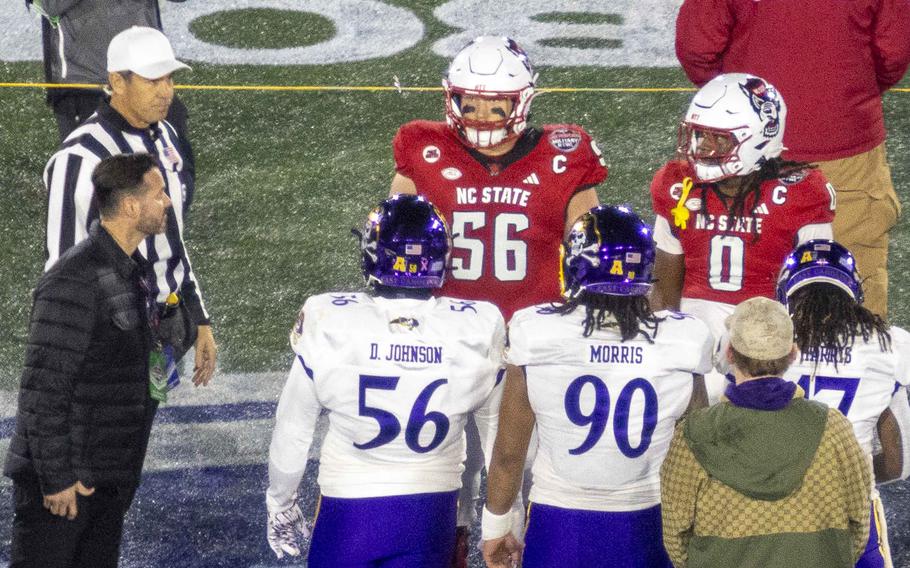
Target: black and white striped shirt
71, 208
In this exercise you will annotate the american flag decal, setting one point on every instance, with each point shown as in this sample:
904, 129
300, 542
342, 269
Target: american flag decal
633, 257
413, 248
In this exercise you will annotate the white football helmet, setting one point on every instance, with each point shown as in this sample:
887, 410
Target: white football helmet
494, 68
744, 115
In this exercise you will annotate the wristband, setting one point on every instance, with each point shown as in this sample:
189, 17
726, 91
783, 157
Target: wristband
493, 526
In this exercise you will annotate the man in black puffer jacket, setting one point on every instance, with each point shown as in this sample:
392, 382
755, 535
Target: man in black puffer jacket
84, 401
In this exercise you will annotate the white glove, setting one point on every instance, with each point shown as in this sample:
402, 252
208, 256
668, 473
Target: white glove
285, 531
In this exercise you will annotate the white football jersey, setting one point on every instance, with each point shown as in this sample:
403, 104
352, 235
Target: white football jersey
863, 383
398, 378
605, 409
715, 315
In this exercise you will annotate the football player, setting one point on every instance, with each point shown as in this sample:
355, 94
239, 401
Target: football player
604, 379
510, 191
730, 212
398, 371
852, 360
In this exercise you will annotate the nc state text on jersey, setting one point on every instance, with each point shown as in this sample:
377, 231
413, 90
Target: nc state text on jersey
617, 354
712, 222
408, 353
495, 194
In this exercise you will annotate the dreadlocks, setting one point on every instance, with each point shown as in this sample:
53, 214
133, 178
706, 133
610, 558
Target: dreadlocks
827, 320
749, 188
630, 313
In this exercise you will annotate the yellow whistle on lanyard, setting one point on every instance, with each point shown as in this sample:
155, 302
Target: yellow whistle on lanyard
680, 213
170, 304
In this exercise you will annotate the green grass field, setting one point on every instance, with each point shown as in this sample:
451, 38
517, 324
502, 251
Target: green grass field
282, 176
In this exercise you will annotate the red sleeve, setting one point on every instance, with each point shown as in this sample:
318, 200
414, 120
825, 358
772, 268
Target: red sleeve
656, 184
596, 171
666, 190
400, 146
703, 29
812, 200
891, 42
661, 200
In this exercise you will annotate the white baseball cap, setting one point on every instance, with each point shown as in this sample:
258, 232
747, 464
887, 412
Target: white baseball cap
144, 51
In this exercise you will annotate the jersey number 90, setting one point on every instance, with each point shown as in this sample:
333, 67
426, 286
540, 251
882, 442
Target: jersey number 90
599, 415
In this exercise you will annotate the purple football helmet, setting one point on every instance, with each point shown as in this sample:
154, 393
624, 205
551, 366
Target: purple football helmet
405, 244
819, 260
609, 250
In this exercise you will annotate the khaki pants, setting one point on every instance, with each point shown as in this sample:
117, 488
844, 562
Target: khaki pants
867, 208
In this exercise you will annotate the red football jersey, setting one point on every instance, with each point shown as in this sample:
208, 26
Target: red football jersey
730, 260
508, 225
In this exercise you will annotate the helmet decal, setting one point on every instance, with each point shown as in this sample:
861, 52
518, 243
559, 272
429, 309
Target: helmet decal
819, 261
734, 124
765, 102
405, 244
609, 250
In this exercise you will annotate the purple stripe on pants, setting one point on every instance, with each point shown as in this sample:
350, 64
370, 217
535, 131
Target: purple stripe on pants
872, 556
571, 538
403, 531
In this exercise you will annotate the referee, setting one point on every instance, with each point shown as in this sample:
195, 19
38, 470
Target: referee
140, 64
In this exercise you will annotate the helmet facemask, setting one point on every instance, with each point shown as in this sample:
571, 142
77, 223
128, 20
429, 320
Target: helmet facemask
492, 68
713, 152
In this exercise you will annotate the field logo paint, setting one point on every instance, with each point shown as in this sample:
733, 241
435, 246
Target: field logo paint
21, 38
358, 35
369, 29
365, 29
645, 41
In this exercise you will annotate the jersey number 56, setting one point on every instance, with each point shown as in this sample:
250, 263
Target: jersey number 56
390, 427
510, 255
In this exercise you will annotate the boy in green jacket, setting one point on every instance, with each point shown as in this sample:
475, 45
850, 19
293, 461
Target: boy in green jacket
765, 478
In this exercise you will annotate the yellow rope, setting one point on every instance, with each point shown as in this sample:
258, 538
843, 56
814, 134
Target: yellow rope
680, 213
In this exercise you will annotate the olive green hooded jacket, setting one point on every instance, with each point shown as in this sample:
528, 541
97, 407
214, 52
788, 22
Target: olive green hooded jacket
765, 489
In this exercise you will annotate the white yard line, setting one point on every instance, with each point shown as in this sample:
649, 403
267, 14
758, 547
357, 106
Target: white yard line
190, 445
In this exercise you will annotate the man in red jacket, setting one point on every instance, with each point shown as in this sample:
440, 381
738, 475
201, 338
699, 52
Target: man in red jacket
831, 61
